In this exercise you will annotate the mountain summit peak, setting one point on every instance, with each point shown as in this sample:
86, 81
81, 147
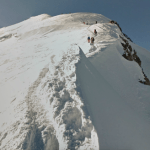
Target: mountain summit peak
73, 81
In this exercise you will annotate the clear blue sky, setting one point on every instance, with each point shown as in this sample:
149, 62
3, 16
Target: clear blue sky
132, 15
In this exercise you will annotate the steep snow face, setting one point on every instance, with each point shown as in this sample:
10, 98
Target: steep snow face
57, 91
117, 121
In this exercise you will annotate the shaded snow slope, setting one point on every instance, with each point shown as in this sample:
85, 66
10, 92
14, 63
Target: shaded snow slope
59, 92
117, 123
145, 58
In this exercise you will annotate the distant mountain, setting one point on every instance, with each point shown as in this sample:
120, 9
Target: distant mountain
59, 92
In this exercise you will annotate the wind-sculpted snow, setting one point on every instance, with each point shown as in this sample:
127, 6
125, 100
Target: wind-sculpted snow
64, 106
75, 129
54, 115
5, 37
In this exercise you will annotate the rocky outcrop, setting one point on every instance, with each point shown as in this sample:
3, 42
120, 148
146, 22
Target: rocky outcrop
114, 22
147, 81
131, 55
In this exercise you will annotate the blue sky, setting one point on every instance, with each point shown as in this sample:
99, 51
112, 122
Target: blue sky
132, 15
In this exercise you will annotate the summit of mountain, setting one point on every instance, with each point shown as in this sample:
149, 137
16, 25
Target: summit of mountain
57, 91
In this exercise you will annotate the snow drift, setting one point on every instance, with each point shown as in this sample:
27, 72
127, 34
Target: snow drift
59, 92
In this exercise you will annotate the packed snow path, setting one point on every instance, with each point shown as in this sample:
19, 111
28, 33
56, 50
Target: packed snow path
59, 92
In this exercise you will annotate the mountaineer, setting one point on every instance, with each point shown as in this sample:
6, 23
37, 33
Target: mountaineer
92, 40
88, 39
95, 31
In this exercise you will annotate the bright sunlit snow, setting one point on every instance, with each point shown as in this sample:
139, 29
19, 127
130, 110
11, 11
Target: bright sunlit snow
57, 91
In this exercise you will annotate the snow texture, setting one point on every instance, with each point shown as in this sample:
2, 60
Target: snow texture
59, 92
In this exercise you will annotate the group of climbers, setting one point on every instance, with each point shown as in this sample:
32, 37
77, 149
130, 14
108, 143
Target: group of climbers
87, 23
91, 39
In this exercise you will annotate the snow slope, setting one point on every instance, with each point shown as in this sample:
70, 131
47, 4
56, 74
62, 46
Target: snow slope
59, 92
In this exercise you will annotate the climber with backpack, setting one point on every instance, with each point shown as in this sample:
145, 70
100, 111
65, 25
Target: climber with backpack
88, 39
92, 40
95, 31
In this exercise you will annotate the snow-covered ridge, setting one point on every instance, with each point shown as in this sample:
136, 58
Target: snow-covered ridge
60, 121
57, 91
40, 17
65, 120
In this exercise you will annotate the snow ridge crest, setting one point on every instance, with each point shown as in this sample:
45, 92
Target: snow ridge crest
65, 119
